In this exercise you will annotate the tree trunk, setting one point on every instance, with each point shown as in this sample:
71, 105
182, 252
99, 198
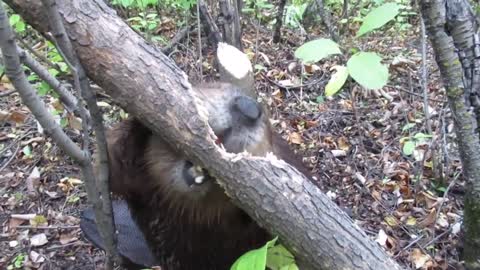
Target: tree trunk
279, 20
150, 86
230, 22
450, 27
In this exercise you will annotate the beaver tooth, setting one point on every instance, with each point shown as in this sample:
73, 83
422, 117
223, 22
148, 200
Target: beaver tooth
199, 179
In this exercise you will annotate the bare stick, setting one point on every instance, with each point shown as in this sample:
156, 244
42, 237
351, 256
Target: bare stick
99, 194
199, 41
69, 100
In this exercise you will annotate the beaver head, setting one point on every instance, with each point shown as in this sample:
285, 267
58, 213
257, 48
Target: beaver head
239, 122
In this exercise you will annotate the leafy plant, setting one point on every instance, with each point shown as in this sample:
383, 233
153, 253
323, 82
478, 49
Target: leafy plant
142, 4
145, 22
17, 23
17, 262
261, 9
378, 17
275, 257
294, 14
411, 142
365, 68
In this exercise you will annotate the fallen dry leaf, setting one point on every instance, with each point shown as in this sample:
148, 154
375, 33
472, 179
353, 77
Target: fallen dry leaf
38, 240
66, 238
295, 138
36, 257
343, 144
418, 258
429, 219
17, 117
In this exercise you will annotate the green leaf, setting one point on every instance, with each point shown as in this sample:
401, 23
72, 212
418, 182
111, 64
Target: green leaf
43, 88
278, 257
408, 126
14, 19
422, 137
337, 81
259, 67
54, 72
366, 69
408, 148
315, 50
320, 99
290, 267
378, 17
20, 27
18, 260
27, 151
254, 259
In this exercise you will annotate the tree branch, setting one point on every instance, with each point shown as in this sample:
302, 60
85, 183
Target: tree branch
97, 189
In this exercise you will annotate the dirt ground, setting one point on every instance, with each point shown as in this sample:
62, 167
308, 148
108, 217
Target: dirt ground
352, 142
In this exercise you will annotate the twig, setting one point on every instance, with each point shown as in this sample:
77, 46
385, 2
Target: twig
409, 245
445, 194
415, 94
76, 244
176, 39
58, 227
27, 132
295, 86
424, 77
199, 42
10, 159
438, 237
39, 56
7, 93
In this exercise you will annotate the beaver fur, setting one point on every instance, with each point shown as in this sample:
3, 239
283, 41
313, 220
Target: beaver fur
186, 218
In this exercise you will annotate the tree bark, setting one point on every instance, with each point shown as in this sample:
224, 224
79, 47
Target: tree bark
150, 86
229, 19
445, 41
278, 24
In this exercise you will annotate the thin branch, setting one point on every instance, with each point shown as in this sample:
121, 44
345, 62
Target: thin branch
10, 159
15, 72
67, 98
7, 93
39, 56
176, 39
102, 205
424, 77
199, 43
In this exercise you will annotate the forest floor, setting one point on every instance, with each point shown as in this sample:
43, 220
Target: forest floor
410, 203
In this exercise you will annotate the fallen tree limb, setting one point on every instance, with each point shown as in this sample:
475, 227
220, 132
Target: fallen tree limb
150, 86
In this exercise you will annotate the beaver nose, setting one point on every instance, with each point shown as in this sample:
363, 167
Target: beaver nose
248, 108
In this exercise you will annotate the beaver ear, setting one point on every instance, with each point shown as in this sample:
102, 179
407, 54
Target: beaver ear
236, 69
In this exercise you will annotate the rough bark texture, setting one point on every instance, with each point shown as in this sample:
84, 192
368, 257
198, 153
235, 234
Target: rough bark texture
150, 86
434, 14
210, 27
279, 21
230, 22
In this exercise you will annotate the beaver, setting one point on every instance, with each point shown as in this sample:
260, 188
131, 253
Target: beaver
186, 218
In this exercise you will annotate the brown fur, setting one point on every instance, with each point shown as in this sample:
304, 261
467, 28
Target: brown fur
189, 227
